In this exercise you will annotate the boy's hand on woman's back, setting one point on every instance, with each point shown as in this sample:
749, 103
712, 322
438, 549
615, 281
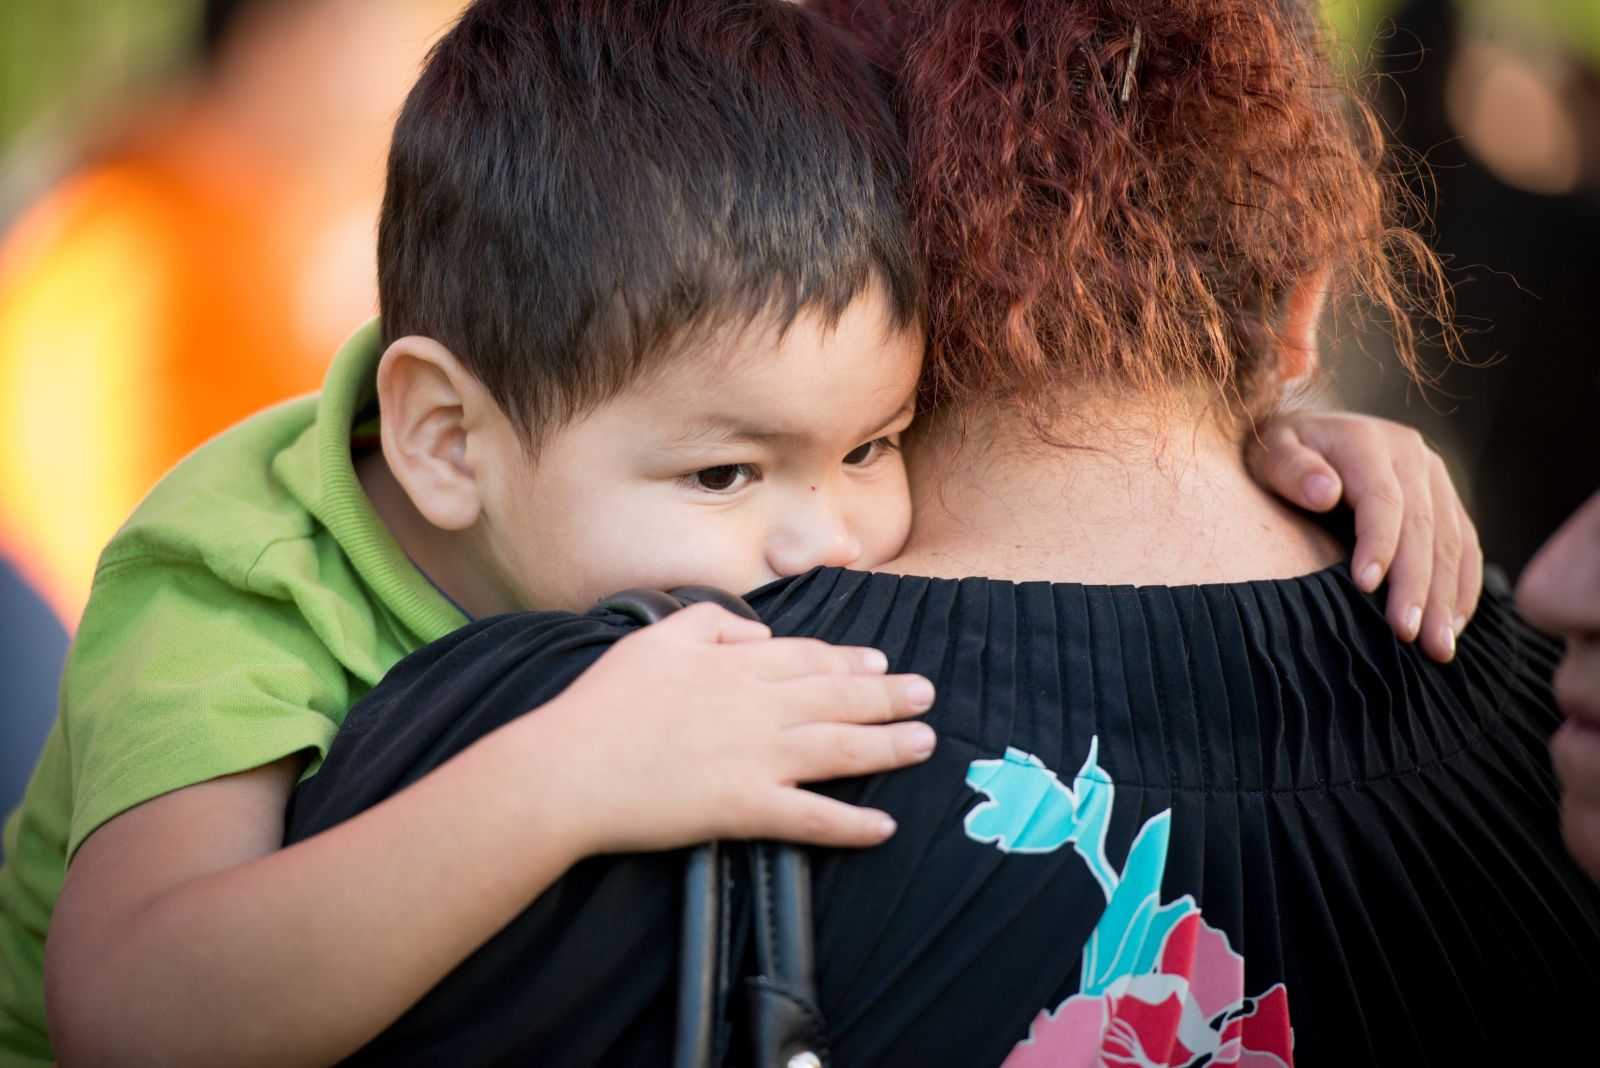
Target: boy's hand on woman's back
1411, 527
703, 725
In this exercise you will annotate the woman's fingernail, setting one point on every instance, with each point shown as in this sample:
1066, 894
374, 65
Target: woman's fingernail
923, 740
1447, 638
920, 693
1413, 621
1458, 625
875, 661
1371, 575
886, 827
1319, 489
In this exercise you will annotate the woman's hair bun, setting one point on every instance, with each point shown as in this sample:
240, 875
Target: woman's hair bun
1126, 191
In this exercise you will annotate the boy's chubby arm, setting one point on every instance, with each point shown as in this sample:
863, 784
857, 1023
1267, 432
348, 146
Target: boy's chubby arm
186, 934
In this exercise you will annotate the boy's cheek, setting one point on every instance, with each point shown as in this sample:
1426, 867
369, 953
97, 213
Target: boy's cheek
885, 526
646, 553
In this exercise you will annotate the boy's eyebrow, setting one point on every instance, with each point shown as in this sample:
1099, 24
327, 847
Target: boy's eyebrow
720, 429
905, 411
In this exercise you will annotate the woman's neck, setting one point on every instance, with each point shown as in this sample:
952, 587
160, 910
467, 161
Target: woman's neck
1136, 493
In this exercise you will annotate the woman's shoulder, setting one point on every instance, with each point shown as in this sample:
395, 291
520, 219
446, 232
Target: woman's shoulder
1271, 682
1322, 612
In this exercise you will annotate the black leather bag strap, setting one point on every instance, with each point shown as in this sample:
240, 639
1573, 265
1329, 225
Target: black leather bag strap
786, 1027
702, 930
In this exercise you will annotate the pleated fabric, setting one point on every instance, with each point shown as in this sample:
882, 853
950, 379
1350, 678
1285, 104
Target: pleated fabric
1377, 836
1213, 825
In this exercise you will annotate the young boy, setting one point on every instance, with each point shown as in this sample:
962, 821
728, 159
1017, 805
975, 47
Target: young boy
649, 318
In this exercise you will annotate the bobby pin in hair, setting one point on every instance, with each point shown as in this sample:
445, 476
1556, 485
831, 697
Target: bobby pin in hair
1133, 63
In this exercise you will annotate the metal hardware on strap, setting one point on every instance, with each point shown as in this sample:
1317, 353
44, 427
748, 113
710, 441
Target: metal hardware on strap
786, 1027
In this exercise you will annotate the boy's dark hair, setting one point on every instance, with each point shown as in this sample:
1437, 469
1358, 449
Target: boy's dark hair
574, 185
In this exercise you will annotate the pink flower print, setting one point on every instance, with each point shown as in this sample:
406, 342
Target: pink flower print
1191, 1007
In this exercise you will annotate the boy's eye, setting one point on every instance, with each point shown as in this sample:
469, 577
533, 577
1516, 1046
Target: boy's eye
724, 478
862, 453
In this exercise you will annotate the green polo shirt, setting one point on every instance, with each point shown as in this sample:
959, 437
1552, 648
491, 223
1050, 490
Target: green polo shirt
251, 599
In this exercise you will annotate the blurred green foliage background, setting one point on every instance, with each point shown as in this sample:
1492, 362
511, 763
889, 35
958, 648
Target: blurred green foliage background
62, 60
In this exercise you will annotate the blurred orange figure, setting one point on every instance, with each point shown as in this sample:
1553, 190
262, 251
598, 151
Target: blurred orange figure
208, 266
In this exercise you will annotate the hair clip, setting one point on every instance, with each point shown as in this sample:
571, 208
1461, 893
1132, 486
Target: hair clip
1133, 64
1078, 72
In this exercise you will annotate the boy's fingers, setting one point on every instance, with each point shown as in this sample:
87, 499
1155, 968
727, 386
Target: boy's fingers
1470, 581
817, 752
1438, 634
1283, 462
811, 819
795, 658
1411, 575
714, 624
1428, 507
853, 698
1378, 501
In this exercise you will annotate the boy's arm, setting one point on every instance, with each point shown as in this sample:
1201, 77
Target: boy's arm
185, 934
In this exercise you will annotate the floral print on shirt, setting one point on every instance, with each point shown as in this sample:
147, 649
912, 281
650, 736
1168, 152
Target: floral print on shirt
1160, 987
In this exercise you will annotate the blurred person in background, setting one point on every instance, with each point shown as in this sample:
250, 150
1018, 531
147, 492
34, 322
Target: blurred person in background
1560, 592
1501, 98
202, 262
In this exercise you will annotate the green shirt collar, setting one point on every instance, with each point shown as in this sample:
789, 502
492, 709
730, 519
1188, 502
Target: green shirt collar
338, 501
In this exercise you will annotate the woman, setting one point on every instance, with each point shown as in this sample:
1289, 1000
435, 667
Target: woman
1205, 808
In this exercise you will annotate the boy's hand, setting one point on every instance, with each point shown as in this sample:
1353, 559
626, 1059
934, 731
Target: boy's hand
1410, 523
704, 725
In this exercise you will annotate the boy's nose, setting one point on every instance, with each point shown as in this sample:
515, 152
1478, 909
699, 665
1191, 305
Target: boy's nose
818, 536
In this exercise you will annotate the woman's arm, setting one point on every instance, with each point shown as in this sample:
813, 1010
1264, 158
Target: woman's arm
186, 934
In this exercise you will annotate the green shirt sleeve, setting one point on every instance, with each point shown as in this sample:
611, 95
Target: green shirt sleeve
179, 676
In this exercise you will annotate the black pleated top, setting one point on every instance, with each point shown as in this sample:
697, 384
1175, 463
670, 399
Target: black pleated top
1206, 825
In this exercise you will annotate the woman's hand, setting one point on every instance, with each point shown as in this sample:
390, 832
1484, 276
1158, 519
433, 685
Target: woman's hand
1410, 524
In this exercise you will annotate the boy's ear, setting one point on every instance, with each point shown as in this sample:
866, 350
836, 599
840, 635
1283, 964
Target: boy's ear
431, 405
1297, 333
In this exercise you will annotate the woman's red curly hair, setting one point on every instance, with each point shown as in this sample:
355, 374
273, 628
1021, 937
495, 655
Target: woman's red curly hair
1070, 235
